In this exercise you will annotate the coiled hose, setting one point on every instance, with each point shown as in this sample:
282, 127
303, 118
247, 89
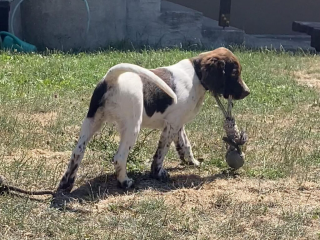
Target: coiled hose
16, 7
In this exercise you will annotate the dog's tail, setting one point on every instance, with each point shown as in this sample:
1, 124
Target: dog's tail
118, 69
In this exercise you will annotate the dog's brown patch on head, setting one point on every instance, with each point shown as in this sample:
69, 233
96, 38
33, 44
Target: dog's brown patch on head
219, 71
154, 98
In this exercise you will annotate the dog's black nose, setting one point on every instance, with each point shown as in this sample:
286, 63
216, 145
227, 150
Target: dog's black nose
244, 93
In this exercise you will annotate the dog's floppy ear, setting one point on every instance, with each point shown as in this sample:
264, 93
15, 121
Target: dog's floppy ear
214, 64
213, 74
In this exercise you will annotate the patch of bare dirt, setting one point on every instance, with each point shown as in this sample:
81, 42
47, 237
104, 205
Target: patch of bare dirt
38, 154
281, 194
244, 205
42, 118
310, 78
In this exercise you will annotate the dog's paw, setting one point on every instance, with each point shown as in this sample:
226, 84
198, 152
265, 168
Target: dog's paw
161, 175
60, 199
126, 184
193, 162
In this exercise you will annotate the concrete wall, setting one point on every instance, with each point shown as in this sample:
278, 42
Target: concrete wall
262, 16
149, 23
16, 20
142, 18
62, 24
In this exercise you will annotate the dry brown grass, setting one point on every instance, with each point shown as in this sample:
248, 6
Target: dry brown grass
219, 206
309, 77
42, 118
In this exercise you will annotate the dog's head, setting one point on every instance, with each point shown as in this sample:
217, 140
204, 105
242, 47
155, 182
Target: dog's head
219, 71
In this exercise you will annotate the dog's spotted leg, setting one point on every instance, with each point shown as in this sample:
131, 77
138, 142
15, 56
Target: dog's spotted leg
167, 136
129, 136
183, 148
88, 128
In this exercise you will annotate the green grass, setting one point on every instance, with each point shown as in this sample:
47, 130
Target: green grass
44, 97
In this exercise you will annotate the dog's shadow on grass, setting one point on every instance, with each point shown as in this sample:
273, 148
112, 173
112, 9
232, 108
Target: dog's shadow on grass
103, 186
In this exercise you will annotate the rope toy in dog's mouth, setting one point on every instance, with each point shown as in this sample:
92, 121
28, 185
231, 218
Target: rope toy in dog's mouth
235, 138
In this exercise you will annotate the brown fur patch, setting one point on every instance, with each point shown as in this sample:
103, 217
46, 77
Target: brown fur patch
164, 74
155, 99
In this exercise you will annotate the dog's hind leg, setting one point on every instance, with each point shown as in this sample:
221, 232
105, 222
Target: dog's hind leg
128, 136
183, 148
88, 128
166, 138
91, 124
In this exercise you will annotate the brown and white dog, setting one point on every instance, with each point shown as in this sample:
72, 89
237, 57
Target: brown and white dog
165, 98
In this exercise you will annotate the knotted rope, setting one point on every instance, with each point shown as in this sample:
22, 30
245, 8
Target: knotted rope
234, 139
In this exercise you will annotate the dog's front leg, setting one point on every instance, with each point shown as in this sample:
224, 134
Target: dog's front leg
184, 149
167, 136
